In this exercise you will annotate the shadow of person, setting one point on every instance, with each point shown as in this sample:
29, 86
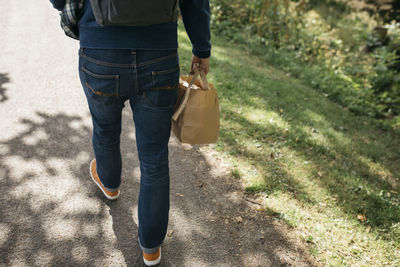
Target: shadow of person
125, 229
3, 80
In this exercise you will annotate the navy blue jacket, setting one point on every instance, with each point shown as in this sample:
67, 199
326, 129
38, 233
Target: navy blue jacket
195, 15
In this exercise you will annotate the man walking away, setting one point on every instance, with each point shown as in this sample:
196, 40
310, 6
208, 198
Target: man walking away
139, 64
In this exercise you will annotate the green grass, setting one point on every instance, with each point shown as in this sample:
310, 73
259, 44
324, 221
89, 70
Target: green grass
330, 175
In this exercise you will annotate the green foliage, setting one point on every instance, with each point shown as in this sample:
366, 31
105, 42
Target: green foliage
256, 188
314, 165
236, 173
327, 44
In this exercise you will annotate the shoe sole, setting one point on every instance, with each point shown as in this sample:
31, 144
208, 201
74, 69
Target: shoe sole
153, 263
99, 186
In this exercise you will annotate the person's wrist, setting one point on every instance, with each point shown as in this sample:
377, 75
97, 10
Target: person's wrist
202, 63
201, 54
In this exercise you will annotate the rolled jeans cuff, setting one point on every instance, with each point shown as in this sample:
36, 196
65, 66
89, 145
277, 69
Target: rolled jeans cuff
148, 250
112, 190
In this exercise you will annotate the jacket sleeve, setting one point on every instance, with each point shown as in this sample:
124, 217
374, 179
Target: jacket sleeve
58, 4
196, 18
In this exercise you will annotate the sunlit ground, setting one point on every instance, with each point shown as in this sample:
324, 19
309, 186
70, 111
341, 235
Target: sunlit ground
330, 175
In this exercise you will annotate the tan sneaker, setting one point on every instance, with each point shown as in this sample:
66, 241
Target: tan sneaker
152, 259
95, 177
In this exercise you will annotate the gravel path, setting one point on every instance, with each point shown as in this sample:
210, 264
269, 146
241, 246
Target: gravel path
51, 214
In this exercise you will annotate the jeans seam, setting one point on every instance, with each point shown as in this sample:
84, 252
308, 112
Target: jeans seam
154, 74
156, 60
103, 63
100, 76
107, 64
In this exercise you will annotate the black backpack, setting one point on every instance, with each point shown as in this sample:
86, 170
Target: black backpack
134, 12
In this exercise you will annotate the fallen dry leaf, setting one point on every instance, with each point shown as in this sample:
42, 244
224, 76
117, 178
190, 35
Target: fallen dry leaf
170, 233
361, 217
239, 219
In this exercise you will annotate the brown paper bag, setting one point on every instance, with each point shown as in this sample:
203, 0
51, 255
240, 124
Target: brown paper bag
196, 119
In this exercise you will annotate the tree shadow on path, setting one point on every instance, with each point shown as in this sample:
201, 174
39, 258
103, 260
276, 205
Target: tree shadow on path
3, 80
52, 214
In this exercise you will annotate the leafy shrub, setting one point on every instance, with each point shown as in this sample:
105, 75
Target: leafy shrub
331, 39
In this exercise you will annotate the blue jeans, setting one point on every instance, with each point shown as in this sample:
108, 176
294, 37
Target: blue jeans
149, 80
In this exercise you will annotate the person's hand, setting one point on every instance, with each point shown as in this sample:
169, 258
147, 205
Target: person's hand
202, 63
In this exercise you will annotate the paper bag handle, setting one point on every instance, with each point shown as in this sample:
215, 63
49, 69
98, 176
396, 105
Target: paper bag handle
203, 80
186, 96
204, 84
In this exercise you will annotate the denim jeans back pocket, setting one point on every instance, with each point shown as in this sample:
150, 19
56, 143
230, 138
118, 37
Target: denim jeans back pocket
165, 78
100, 84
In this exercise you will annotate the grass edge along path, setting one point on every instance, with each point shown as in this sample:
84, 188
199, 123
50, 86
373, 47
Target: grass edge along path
331, 176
